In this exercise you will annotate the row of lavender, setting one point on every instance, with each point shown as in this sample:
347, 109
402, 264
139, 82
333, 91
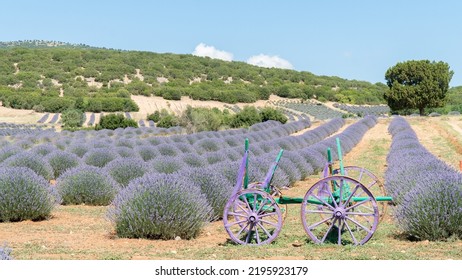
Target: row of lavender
100, 163
180, 213
427, 192
162, 189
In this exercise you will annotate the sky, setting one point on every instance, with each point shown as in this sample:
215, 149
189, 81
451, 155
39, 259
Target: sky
351, 39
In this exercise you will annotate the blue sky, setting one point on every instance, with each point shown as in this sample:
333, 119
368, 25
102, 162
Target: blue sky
350, 39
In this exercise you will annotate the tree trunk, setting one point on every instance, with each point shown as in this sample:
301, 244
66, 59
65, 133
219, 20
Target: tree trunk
422, 111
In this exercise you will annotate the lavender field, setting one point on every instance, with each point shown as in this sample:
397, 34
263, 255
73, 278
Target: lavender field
95, 194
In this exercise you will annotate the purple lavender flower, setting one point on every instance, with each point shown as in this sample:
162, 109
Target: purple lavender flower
86, 185
160, 206
25, 195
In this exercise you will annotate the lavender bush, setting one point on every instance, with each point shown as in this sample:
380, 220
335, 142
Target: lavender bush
427, 192
78, 149
5, 253
8, 151
160, 206
31, 161
166, 164
147, 152
214, 185
123, 170
99, 157
86, 185
25, 195
61, 161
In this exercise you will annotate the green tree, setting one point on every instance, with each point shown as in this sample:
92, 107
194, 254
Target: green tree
417, 84
72, 118
269, 113
245, 118
113, 121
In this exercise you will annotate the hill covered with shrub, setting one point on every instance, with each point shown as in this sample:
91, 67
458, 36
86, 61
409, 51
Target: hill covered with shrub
54, 76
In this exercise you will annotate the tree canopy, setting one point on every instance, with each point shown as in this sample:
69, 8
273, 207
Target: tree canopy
417, 84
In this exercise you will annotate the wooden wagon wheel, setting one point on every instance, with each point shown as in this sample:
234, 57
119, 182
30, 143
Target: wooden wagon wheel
275, 193
350, 220
252, 217
370, 181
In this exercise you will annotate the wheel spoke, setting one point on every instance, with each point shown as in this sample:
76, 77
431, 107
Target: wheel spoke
270, 223
257, 235
237, 214
339, 241
268, 214
235, 223
358, 204
327, 232
351, 233
242, 229
249, 233
246, 202
360, 214
351, 195
264, 229
358, 224
319, 223
323, 202
318, 212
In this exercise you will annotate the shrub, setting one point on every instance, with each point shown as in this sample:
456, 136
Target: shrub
123, 170
99, 156
9, 151
147, 152
113, 121
61, 161
214, 185
166, 165
269, 113
72, 118
193, 160
25, 195
155, 117
31, 161
432, 209
245, 118
167, 150
5, 253
160, 206
44, 149
78, 149
86, 185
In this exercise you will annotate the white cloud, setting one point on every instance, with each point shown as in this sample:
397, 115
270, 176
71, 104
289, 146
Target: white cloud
210, 51
264, 60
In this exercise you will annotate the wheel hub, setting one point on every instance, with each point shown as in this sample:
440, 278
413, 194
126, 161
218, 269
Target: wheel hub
253, 218
339, 213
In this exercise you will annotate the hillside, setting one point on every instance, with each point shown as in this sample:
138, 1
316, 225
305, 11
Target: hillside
52, 76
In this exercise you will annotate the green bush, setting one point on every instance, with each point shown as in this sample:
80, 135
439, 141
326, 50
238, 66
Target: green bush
57, 104
72, 118
245, 118
113, 121
269, 113
155, 117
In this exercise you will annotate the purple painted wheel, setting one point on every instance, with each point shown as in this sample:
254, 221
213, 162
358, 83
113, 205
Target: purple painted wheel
328, 219
370, 181
274, 192
252, 217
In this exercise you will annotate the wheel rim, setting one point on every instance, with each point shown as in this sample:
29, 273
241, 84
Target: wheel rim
328, 219
252, 217
370, 181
